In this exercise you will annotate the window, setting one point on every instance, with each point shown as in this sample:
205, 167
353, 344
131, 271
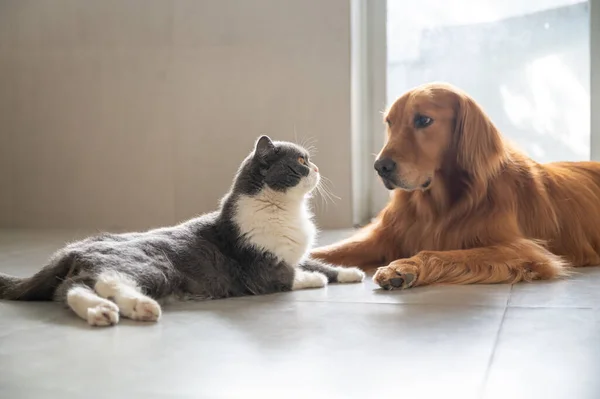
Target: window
526, 62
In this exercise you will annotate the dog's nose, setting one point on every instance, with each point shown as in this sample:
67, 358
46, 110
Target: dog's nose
385, 166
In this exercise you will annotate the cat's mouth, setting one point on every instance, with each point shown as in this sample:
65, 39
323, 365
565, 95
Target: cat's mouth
313, 179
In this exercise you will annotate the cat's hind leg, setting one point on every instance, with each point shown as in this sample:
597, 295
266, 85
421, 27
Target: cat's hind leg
335, 274
87, 304
128, 296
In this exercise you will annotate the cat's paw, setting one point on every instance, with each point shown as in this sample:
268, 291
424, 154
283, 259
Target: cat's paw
350, 275
304, 280
103, 314
144, 309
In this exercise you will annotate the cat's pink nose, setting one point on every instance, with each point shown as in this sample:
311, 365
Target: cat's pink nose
316, 169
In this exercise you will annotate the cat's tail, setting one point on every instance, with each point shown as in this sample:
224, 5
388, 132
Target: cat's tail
40, 286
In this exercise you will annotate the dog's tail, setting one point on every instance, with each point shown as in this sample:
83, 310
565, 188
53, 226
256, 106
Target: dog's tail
39, 287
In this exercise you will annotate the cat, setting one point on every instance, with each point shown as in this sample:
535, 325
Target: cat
256, 243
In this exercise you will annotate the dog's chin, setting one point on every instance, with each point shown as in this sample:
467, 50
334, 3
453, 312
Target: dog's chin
389, 184
392, 184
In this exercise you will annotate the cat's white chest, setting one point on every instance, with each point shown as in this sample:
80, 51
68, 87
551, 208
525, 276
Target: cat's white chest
283, 229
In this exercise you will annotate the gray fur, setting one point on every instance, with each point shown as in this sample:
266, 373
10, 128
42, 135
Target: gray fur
205, 257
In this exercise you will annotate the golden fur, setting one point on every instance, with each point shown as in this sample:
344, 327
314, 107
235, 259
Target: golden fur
490, 214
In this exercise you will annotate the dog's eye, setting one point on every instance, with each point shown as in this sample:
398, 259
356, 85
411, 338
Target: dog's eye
422, 121
302, 161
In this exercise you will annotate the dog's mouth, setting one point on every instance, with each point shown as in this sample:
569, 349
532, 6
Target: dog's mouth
389, 184
392, 184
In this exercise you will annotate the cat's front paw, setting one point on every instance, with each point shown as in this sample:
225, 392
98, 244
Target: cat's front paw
304, 280
350, 275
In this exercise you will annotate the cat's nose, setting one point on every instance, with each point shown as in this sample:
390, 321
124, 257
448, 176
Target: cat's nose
316, 168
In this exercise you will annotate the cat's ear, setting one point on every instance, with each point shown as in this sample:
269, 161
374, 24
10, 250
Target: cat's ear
264, 146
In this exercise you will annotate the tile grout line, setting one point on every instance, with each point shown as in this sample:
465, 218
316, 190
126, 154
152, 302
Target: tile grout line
495, 346
250, 298
466, 305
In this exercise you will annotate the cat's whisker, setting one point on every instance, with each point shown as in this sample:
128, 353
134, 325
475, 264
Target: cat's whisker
318, 189
331, 195
329, 190
312, 151
321, 195
326, 182
325, 191
309, 142
325, 178
324, 199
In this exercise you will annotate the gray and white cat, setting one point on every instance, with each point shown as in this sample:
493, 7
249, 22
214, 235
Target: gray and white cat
256, 243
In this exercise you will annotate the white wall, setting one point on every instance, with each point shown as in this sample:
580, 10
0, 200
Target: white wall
136, 113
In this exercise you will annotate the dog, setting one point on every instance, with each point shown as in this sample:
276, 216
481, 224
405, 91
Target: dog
467, 207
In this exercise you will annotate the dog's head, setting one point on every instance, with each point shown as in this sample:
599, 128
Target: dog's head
432, 128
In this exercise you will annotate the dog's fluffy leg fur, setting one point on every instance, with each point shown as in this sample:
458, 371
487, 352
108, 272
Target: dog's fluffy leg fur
523, 260
362, 250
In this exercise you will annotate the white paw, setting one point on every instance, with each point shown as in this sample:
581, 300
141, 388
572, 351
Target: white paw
350, 275
145, 309
304, 279
104, 314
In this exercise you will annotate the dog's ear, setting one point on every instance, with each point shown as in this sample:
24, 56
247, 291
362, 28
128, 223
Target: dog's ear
478, 144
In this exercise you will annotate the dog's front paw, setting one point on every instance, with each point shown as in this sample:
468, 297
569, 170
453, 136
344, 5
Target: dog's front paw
400, 274
350, 275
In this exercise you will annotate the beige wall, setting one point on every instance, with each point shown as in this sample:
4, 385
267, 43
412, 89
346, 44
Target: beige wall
135, 113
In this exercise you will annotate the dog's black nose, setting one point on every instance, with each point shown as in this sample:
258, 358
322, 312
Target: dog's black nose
385, 166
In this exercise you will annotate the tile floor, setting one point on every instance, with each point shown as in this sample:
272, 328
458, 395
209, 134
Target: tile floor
538, 340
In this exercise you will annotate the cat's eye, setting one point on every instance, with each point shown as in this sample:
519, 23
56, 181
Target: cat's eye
302, 161
422, 121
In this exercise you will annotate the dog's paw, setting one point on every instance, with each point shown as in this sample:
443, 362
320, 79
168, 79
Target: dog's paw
401, 274
350, 275
103, 314
303, 279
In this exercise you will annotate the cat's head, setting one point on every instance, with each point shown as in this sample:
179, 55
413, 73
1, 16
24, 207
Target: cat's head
280, 166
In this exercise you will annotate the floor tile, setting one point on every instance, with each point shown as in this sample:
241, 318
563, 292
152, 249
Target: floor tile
273, 349
547, 353
344, 341
582, 290
368, 292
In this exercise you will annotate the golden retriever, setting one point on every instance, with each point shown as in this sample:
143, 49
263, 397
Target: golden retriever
466, 206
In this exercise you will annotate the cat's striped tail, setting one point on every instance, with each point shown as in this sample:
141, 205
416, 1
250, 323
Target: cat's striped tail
40, 286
